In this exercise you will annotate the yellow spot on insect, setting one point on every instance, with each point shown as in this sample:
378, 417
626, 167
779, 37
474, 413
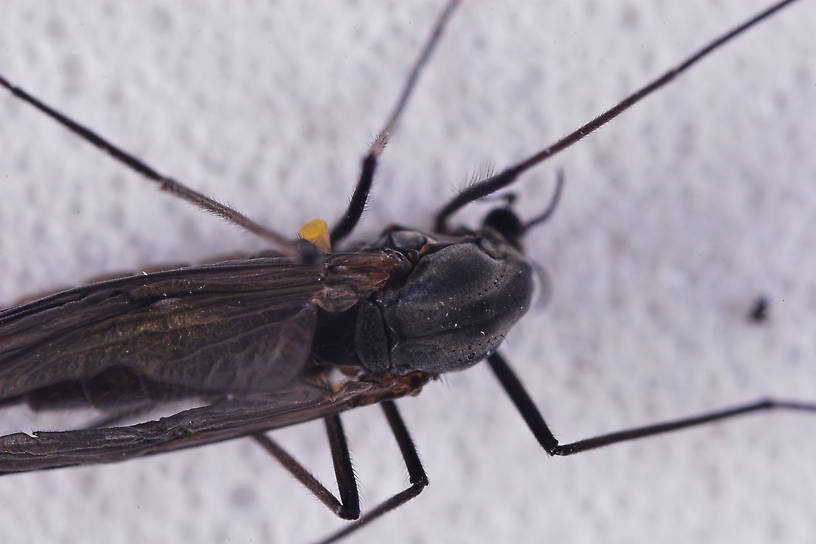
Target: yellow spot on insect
316, 231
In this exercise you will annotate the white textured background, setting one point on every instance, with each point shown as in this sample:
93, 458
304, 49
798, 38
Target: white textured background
675, 218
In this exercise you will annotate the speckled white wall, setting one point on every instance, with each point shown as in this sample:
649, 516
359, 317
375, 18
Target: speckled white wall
675, 218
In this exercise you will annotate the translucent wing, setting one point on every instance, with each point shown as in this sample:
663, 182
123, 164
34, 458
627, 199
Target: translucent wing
227, 328
224, 420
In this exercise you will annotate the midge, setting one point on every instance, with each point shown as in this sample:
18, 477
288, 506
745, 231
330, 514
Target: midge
282, 339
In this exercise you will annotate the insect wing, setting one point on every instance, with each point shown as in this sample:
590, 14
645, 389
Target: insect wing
226, 328
298, 402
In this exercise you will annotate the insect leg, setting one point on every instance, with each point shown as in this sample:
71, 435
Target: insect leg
509, 175
176, 188
542, 433
348, 507
416, 474
355, 208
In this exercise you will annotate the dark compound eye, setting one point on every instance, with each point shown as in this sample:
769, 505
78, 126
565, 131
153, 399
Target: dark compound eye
505, 222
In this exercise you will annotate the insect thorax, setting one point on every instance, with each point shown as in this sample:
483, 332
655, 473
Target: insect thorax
451, 310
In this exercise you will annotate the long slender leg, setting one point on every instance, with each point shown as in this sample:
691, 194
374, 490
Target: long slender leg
509, 175
348, 507
355, 208
176, 188
416, 474
542, 433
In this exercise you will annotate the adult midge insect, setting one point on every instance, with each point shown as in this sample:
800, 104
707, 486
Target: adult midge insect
594, 362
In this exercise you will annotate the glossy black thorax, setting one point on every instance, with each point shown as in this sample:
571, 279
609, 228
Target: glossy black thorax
450, 310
